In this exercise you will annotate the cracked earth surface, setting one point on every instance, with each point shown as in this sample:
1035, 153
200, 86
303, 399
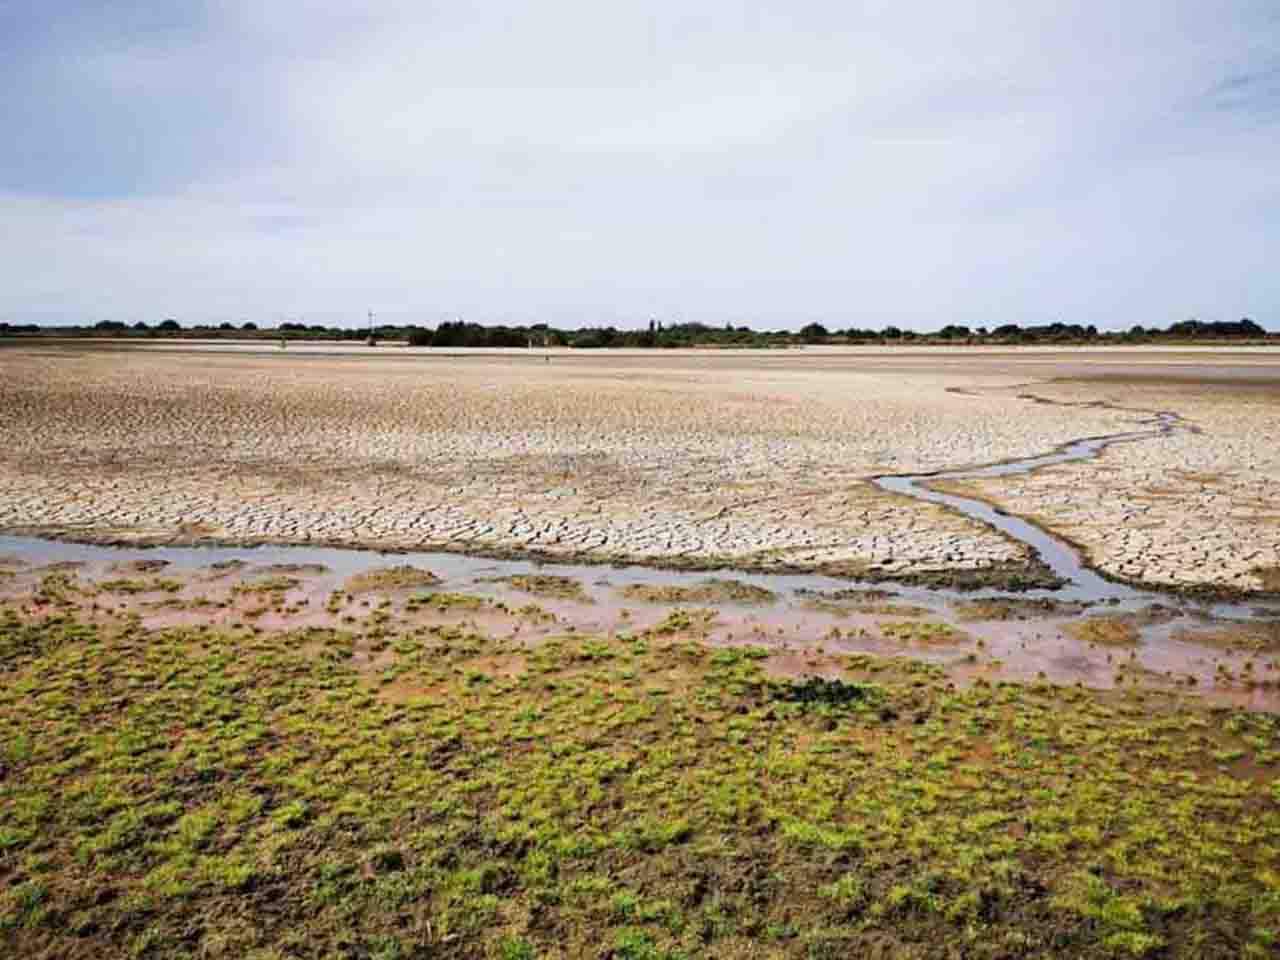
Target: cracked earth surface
1194, 508
744, 459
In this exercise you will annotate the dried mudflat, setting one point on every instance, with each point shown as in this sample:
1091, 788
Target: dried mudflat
698, 459
1199, 508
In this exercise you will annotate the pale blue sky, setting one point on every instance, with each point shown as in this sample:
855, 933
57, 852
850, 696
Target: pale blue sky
579, 162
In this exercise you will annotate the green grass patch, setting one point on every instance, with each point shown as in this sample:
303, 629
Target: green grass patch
197, 792
548, 585
1105, 631
403, 577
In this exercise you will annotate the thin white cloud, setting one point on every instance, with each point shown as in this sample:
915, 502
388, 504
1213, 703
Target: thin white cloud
866, 163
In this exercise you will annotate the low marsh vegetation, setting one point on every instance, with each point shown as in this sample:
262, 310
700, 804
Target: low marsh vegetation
276, 584
922, 632
1105, 631
549, 585
131, 586
712, 590
1003, 610
435, 791
1258, 636
403, 577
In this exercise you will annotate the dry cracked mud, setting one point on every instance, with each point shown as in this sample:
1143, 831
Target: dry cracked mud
747, 460
1195, 509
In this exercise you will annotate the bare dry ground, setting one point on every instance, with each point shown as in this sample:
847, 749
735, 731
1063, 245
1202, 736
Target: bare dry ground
1198, 507
749, 459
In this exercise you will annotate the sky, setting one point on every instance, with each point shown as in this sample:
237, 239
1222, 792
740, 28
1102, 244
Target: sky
579, 163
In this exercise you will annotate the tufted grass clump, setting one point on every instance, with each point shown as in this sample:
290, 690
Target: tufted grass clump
1105, 631
276, 584
130, 586
711, 590
922, 632
402, 577
549, 585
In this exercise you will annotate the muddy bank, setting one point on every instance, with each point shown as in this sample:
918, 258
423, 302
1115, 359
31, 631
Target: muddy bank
1005, 576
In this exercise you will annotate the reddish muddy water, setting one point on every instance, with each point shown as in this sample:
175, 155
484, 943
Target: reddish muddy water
1228, 655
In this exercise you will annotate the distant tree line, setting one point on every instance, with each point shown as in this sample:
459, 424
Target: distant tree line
658, 335
541, 335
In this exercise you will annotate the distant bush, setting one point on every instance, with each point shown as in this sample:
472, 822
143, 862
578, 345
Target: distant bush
814, 333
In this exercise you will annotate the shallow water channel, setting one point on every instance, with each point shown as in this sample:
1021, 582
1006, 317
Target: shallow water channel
1061, 557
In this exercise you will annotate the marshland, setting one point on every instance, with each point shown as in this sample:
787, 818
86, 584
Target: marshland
397, 654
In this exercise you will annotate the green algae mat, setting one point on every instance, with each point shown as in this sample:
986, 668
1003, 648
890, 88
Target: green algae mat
440, 793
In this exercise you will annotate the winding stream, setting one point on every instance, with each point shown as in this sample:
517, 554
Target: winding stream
1057, 554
